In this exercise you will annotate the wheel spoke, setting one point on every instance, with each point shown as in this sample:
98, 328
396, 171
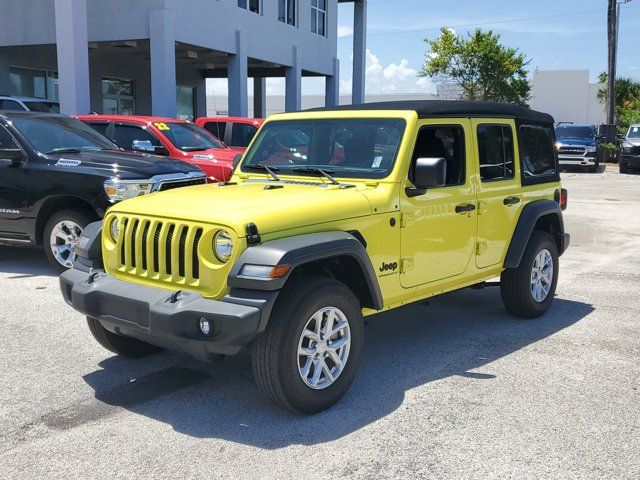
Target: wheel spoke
317, 370
304, 371
335, 345
336, 359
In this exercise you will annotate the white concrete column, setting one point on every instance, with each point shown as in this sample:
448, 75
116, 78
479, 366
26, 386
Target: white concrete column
332, 86
162, 36
237, 72
72, 48
259, 97
293, 87
359, 50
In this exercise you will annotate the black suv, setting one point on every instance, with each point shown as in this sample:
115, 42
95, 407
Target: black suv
630, 149
578, 146
57, 175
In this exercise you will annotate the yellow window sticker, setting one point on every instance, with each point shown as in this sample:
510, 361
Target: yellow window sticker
162, 126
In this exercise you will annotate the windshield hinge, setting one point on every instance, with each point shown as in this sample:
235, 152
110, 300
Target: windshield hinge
405, 220
253, 237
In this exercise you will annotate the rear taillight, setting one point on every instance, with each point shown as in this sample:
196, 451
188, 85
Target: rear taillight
564, 198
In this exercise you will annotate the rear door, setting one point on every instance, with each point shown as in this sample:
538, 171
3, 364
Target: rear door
498, 187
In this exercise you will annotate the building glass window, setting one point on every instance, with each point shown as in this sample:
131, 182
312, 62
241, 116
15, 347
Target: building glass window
118, 97
251, 5
287, 11
29, 82
319, 17
185, 100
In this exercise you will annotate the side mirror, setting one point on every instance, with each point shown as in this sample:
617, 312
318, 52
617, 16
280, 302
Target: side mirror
430, 173
14, 155
236, 160
147, 147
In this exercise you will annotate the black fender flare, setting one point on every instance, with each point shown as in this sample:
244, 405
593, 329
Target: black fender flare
529, 217
301, 249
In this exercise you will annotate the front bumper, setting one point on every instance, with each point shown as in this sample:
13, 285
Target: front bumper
575, 160
632, 161
170, 321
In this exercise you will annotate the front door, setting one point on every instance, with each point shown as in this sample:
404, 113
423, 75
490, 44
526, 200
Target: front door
439, 227
498, 205
13, 190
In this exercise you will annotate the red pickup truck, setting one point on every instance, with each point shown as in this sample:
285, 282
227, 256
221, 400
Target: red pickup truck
173, 138
236, 132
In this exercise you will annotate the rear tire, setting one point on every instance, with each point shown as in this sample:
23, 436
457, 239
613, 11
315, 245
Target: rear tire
61, 232
128, 347
297, 344
527, 291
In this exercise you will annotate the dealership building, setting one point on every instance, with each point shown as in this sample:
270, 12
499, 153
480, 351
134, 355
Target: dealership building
154, 56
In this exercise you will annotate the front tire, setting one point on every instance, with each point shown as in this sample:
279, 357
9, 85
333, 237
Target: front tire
128, 347
624, 168
308, 356
61, 234
527, 291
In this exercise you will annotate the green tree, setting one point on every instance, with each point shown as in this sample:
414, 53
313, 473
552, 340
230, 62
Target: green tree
480, 65
626, 101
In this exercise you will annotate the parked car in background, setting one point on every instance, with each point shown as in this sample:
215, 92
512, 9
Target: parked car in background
57, 175
578, 145
236, 132
31, 104
168, 137
630, 149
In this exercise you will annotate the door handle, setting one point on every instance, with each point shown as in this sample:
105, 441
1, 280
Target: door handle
511, 201
469, 207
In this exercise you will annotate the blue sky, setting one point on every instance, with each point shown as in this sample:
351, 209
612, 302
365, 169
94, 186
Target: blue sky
554, 34
559, 34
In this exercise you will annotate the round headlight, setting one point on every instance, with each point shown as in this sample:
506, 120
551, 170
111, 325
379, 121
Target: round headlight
222, 246
114, 229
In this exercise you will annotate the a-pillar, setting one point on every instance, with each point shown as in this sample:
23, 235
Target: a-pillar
72, 49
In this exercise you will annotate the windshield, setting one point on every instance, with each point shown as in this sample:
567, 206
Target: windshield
189, 137
570, 131
634, 131
52, 134
351, 148
44, 107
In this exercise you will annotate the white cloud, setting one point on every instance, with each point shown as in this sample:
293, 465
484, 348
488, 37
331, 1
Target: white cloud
398, 77
344, 31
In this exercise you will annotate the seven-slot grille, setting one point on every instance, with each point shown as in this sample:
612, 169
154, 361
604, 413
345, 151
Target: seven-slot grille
159, 249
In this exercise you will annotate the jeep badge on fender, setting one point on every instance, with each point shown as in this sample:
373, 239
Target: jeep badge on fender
290, 255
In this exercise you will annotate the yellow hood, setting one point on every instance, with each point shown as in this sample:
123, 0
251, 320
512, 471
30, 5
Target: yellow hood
271, 209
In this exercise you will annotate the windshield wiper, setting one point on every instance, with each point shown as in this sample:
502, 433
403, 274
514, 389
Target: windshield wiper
270, 170
193, 149
64, 150
324, 173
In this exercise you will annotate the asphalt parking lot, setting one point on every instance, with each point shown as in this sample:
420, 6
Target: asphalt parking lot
453, 389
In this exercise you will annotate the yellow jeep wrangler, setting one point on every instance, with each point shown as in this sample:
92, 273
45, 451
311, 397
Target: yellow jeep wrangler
331, 215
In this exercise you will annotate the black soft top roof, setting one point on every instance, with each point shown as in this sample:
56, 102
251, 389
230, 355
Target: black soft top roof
451, 108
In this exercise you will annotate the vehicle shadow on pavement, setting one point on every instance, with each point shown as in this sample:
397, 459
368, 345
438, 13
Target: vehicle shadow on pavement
24, 262
410, 347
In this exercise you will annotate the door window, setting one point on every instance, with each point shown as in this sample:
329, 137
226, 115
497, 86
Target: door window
126, 134
537, 152
10, 105
216, 128
242, 134
442, 142
6, 140
496, 152
100, 127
